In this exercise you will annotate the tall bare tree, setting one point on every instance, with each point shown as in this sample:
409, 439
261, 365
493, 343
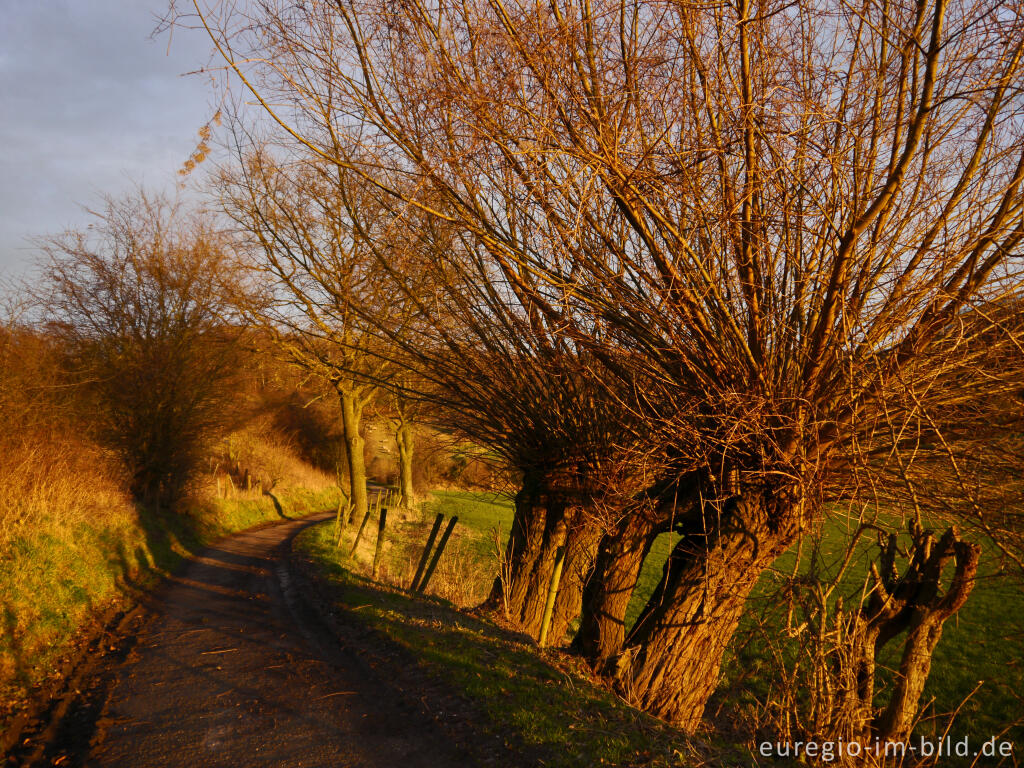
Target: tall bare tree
769, 212
308, 239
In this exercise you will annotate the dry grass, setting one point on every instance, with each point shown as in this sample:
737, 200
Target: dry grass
52, 476
49, 486
256, 459
68, 534
463, 575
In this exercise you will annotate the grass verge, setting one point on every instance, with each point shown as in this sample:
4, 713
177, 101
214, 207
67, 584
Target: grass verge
53, 581
982, 643
541, 703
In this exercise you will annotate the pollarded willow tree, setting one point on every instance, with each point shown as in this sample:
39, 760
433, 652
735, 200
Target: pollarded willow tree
501, 374
492, 370
773, 211
546, 410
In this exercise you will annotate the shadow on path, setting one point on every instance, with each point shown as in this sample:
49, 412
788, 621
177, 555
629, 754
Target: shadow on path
237, 669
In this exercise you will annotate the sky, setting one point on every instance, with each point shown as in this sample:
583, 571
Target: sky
90, 104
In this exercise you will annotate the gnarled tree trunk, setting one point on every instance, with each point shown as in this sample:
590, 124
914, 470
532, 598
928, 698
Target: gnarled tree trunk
619, 559
524, 541
671, 666
913, 603
544, 521
538, 580
581, 547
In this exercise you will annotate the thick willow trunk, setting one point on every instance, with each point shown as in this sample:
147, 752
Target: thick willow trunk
351, 416
580, 549
677, 645
541, 525
554, 536
544, 522
404, 441
509, 589
620, 557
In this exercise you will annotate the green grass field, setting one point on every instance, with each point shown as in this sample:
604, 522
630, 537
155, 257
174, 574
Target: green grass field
478, 512
983, 643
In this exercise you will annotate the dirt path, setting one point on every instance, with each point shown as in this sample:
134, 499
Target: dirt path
237, 670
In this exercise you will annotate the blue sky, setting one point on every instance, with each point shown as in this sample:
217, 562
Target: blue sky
90, 105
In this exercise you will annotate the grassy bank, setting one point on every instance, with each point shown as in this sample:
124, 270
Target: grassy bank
539, 703
483, 527
981, 644
54, 578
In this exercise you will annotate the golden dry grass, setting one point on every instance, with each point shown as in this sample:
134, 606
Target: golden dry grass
270, 459
50, 486
462, 577
72, 541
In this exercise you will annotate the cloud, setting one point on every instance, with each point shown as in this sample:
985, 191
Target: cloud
91, 105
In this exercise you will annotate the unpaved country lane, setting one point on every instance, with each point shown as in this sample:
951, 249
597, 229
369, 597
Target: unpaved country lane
237, 671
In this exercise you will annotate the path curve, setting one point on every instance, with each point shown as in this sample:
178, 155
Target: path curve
238, 670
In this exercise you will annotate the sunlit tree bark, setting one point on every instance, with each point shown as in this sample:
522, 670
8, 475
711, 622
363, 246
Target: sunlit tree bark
765, 211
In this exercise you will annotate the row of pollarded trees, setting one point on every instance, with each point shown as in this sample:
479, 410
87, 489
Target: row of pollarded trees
700, 268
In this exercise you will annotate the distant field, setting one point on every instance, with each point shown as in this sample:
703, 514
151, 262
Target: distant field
479, 512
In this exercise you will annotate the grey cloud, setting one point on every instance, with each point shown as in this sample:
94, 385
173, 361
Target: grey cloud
90, 105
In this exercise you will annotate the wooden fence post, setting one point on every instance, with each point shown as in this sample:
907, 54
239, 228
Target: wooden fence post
549, 605
426, 552
362, 526
378, 550
437, 555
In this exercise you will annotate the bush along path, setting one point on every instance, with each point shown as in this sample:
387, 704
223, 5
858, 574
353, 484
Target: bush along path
235, 668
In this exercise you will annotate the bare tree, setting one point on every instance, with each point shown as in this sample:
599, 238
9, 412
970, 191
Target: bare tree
309, 235
767, 212
138, 301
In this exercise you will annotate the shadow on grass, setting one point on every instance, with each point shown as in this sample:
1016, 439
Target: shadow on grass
126, 575
539, 702
170, 539
277, 506
14, 647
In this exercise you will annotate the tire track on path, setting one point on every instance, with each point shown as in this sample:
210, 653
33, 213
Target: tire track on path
237, 670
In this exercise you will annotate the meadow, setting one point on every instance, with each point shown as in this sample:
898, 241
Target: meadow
977, 671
